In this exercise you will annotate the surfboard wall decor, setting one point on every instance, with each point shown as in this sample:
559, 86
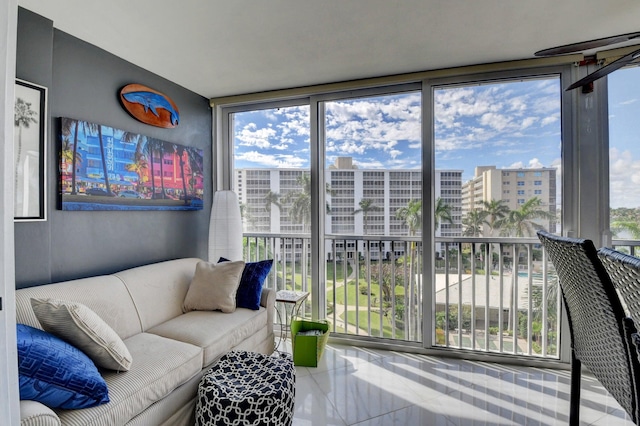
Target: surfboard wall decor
149, 106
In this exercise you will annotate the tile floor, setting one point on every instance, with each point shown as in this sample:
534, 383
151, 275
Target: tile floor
365, 387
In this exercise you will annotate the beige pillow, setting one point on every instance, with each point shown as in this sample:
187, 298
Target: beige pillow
81, 327
214, 287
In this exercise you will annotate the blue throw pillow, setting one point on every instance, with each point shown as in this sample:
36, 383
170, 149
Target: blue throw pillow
55, 373
251, 282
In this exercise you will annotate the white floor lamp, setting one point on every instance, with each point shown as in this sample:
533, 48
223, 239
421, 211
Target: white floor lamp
225, 227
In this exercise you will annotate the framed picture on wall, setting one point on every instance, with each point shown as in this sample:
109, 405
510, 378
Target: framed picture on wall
30, 121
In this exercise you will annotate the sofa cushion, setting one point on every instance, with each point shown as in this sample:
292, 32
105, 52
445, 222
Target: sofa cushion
53, 372
251, 282
161, 366
107, 296
215, 332
75, 323
33, 413
158, 290
214, 287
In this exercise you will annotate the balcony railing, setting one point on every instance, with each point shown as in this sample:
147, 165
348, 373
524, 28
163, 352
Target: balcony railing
495, 295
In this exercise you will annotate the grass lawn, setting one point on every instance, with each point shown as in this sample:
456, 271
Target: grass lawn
353, 292
375, 324
298, 275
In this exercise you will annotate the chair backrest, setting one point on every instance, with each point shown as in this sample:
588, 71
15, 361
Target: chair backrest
624, 271
600, 333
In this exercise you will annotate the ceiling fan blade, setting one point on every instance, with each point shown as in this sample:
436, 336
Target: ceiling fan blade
586, 45
617, 64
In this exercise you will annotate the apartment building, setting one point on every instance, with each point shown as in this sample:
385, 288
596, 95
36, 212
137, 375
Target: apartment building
514, 186
263, 192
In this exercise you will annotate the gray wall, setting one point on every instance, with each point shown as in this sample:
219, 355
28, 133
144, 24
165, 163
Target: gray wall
83, 83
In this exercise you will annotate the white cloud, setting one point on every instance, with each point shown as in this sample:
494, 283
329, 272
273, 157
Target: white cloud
250, 135
550, 119
624, 179
271, 161
534, 163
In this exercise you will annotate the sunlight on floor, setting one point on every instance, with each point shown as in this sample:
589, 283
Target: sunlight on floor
365, 387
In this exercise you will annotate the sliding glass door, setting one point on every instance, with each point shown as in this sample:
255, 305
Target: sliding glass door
373, 218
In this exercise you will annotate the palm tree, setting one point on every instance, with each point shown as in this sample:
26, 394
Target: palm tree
179, 150
151, 144
366, 206
69, 126
139, 165
195, 164
632, 227
411, 215
66, 153
442, 213
474, 222
271, 198
160, 150
97, 128
300, 201
521, 222
496, 210
23, 118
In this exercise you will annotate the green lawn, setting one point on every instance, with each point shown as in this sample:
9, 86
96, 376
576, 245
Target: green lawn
298, 275
363, 300
363, 319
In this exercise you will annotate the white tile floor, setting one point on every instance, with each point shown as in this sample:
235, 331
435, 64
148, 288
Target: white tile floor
365, 387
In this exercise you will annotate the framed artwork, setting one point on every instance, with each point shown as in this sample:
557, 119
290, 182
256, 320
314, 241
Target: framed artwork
103, 168
30, 152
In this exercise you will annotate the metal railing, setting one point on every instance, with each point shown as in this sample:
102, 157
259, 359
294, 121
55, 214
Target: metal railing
496, 295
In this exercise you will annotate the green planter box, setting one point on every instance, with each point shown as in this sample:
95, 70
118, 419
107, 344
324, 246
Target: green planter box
307, 350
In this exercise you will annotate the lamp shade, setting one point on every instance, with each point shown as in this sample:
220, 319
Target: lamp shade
225, 227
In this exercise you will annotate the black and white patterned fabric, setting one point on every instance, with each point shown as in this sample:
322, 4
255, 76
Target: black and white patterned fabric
247, 388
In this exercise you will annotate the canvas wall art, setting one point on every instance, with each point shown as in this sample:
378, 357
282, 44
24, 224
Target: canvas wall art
30, 118
102, 168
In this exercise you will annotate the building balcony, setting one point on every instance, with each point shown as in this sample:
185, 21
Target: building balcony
496, 296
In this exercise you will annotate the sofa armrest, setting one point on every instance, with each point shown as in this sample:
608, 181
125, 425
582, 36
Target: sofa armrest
268, 300
33, 413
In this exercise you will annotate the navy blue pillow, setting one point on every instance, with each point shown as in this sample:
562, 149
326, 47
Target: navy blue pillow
251, 282
55, 373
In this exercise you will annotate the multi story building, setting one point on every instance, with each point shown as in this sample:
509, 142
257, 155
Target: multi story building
263, 191
515, 187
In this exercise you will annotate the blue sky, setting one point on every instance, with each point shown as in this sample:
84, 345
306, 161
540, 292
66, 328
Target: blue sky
506, 124
624, 137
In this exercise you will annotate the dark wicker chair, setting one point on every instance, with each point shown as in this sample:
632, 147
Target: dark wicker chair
624, 271
601, 335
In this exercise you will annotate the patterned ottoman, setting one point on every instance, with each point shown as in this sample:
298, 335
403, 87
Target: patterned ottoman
247, 388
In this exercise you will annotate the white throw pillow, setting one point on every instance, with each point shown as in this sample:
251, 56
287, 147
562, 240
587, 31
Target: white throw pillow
81, 327
214, 287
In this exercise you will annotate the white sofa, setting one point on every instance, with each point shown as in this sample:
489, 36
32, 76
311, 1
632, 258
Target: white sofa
170, 349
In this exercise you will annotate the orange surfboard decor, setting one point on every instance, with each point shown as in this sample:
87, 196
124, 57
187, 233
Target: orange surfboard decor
149, 106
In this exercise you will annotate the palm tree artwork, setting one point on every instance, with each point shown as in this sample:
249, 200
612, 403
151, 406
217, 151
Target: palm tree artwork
23, 117
180, 150
140, 165
70, 126
121, 159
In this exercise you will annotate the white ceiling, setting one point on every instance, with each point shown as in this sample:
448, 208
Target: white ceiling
227, 47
